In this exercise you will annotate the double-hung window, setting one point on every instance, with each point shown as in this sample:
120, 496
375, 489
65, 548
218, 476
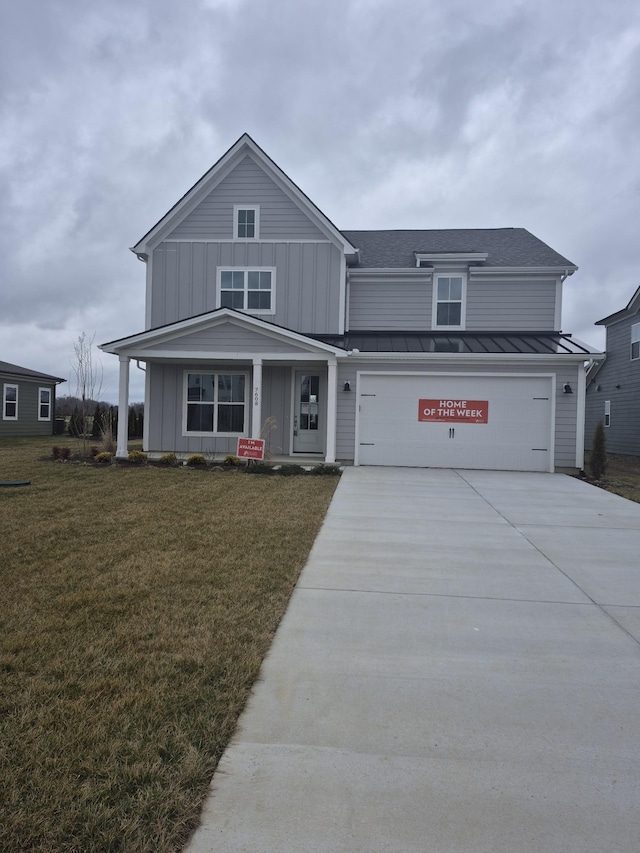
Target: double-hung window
449, 301
635, 341
248, 290
215, 403
246, 222
10, 403
44, 404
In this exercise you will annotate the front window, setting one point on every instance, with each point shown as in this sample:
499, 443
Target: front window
10, 403
449, 302
635, 341
247, 290
215, 403
246, 222
44, 404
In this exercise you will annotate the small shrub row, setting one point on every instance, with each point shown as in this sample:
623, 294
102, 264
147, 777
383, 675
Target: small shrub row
61, 453
137, 457
103, 458
168, 459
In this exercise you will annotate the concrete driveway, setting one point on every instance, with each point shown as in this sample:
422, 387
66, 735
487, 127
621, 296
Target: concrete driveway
458, 670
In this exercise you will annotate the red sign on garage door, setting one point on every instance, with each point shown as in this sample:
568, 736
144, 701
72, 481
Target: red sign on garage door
459, 411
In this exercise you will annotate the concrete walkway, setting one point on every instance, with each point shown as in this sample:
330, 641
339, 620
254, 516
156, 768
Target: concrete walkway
458, 672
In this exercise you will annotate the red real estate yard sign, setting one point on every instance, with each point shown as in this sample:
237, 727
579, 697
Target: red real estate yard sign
446, 411
251, 448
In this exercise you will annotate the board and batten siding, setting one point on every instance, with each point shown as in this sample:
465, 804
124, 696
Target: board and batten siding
566, 404
392, 303
623, 435
307, 281
280, 216
167, 405
511, 306
28, 407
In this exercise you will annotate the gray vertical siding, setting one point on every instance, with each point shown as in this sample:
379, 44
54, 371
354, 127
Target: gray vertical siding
28, 405
307, 281
623, 436
566, 404
280, 217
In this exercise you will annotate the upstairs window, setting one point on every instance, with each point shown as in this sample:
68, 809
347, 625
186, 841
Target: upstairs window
215, 404
607, 413
44, 404
449, 302
635, 341
248, 290
246, 222
10, 403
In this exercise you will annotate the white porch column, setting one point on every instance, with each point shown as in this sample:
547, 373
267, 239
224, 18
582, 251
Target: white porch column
256, 416
332, 406
123, 408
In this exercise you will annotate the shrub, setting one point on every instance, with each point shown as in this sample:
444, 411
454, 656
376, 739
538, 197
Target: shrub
137, 457
196, 459
260, 468
103, 458
168, 459
109, 443
598, 458
231, 461
291, 470
319, 470
59, 452
93, 451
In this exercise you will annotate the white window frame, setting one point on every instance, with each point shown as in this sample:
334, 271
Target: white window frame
186, 401
635, 341
607, 413
245, 270
435, 301
41, 404
5, 416
236, 224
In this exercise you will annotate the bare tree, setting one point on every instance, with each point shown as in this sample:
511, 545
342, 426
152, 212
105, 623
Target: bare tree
89, 375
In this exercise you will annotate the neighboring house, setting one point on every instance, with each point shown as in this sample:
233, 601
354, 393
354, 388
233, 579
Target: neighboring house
420, 348
28, 401
613, 392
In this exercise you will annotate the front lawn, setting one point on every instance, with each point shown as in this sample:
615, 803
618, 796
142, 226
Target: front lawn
622, 475
137, 605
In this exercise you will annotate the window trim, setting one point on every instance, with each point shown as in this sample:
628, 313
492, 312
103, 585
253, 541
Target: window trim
607, 413
185, 402
435, 302
5, 387
236, 225
40, 404
245, 270
635, 341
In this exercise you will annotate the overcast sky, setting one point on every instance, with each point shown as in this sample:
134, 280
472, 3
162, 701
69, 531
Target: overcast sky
387, 113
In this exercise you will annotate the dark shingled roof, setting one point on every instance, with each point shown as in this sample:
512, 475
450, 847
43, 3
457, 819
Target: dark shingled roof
16, 370
506, 247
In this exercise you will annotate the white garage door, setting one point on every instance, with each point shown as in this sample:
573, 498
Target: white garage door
489, 422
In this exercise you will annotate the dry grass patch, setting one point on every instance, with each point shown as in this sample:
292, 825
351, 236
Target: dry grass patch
622, 475
138, 604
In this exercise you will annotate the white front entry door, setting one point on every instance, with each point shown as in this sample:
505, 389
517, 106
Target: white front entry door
309, 405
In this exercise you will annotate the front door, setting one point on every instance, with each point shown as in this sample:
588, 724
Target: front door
307, 418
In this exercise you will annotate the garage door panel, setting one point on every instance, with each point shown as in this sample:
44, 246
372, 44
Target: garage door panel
517, 434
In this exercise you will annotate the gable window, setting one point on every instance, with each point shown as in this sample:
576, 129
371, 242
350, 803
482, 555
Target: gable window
10, 403
635, 341
246, 222
215, 404
248, 290
449, 302
607, 413
44, 404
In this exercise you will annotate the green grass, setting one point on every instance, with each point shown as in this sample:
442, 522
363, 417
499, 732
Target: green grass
137, 605
622, 475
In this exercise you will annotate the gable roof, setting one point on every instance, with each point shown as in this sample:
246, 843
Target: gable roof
25, 373
245, 145
505, 247
633, 307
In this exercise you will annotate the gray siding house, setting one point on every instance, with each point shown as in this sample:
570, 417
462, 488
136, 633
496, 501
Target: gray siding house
439, 348
613, 392
28, 401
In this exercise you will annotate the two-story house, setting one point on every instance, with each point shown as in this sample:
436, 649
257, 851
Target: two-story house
613, 388
419, 348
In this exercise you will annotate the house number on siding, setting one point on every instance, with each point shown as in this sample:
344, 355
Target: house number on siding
256, 396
